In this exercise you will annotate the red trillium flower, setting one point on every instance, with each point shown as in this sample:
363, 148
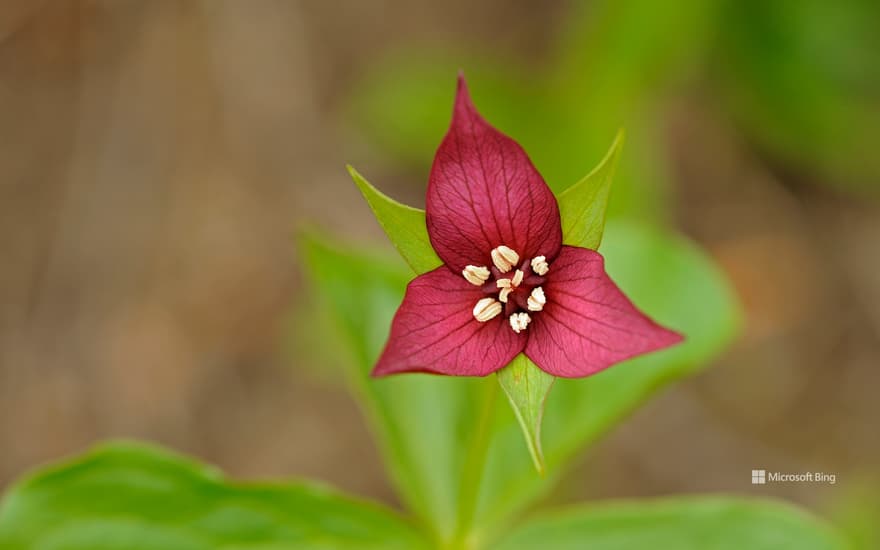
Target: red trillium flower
508, 285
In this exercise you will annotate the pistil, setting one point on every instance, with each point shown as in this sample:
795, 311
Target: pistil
507, 286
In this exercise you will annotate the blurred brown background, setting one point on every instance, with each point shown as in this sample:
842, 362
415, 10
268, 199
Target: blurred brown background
157, 156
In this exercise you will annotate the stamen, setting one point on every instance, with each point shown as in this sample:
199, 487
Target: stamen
517, 278
519, 322
537, 299
476, 275
505, 292
486, 309
504, 258
540, 265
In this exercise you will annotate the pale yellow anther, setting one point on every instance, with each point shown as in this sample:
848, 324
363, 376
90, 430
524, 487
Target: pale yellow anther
504, 258
476, 275
519, 322
537, 299
505, 292
487, 308
540, 265
503, 283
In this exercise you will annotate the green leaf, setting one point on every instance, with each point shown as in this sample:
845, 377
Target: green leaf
689, 523
527, 387
582, 206
130, 496
828, 128
582, 209
404, 225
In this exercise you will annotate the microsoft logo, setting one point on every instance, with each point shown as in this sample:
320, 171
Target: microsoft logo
761, 477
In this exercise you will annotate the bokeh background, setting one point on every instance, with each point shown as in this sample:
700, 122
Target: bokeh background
157, 157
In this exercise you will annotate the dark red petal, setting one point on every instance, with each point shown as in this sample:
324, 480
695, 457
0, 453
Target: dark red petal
484, 192
588, 324
434, 330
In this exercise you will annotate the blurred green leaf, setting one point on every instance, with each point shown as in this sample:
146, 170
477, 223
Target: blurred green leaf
526, 387
135, 497
855, 510
423, 423
582, 206
690, 523
426, 423
802, 81
404, 225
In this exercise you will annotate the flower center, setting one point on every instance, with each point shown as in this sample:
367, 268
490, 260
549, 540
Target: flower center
513, 288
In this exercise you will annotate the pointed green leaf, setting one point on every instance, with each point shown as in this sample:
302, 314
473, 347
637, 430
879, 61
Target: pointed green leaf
687, 523
404, 225
129, 496
582, 206
527, 387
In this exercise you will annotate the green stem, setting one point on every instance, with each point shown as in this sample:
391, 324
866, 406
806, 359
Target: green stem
474, 466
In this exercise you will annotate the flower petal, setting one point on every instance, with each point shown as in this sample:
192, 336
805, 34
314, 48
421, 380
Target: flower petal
588, 324
434, 330
484, 192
